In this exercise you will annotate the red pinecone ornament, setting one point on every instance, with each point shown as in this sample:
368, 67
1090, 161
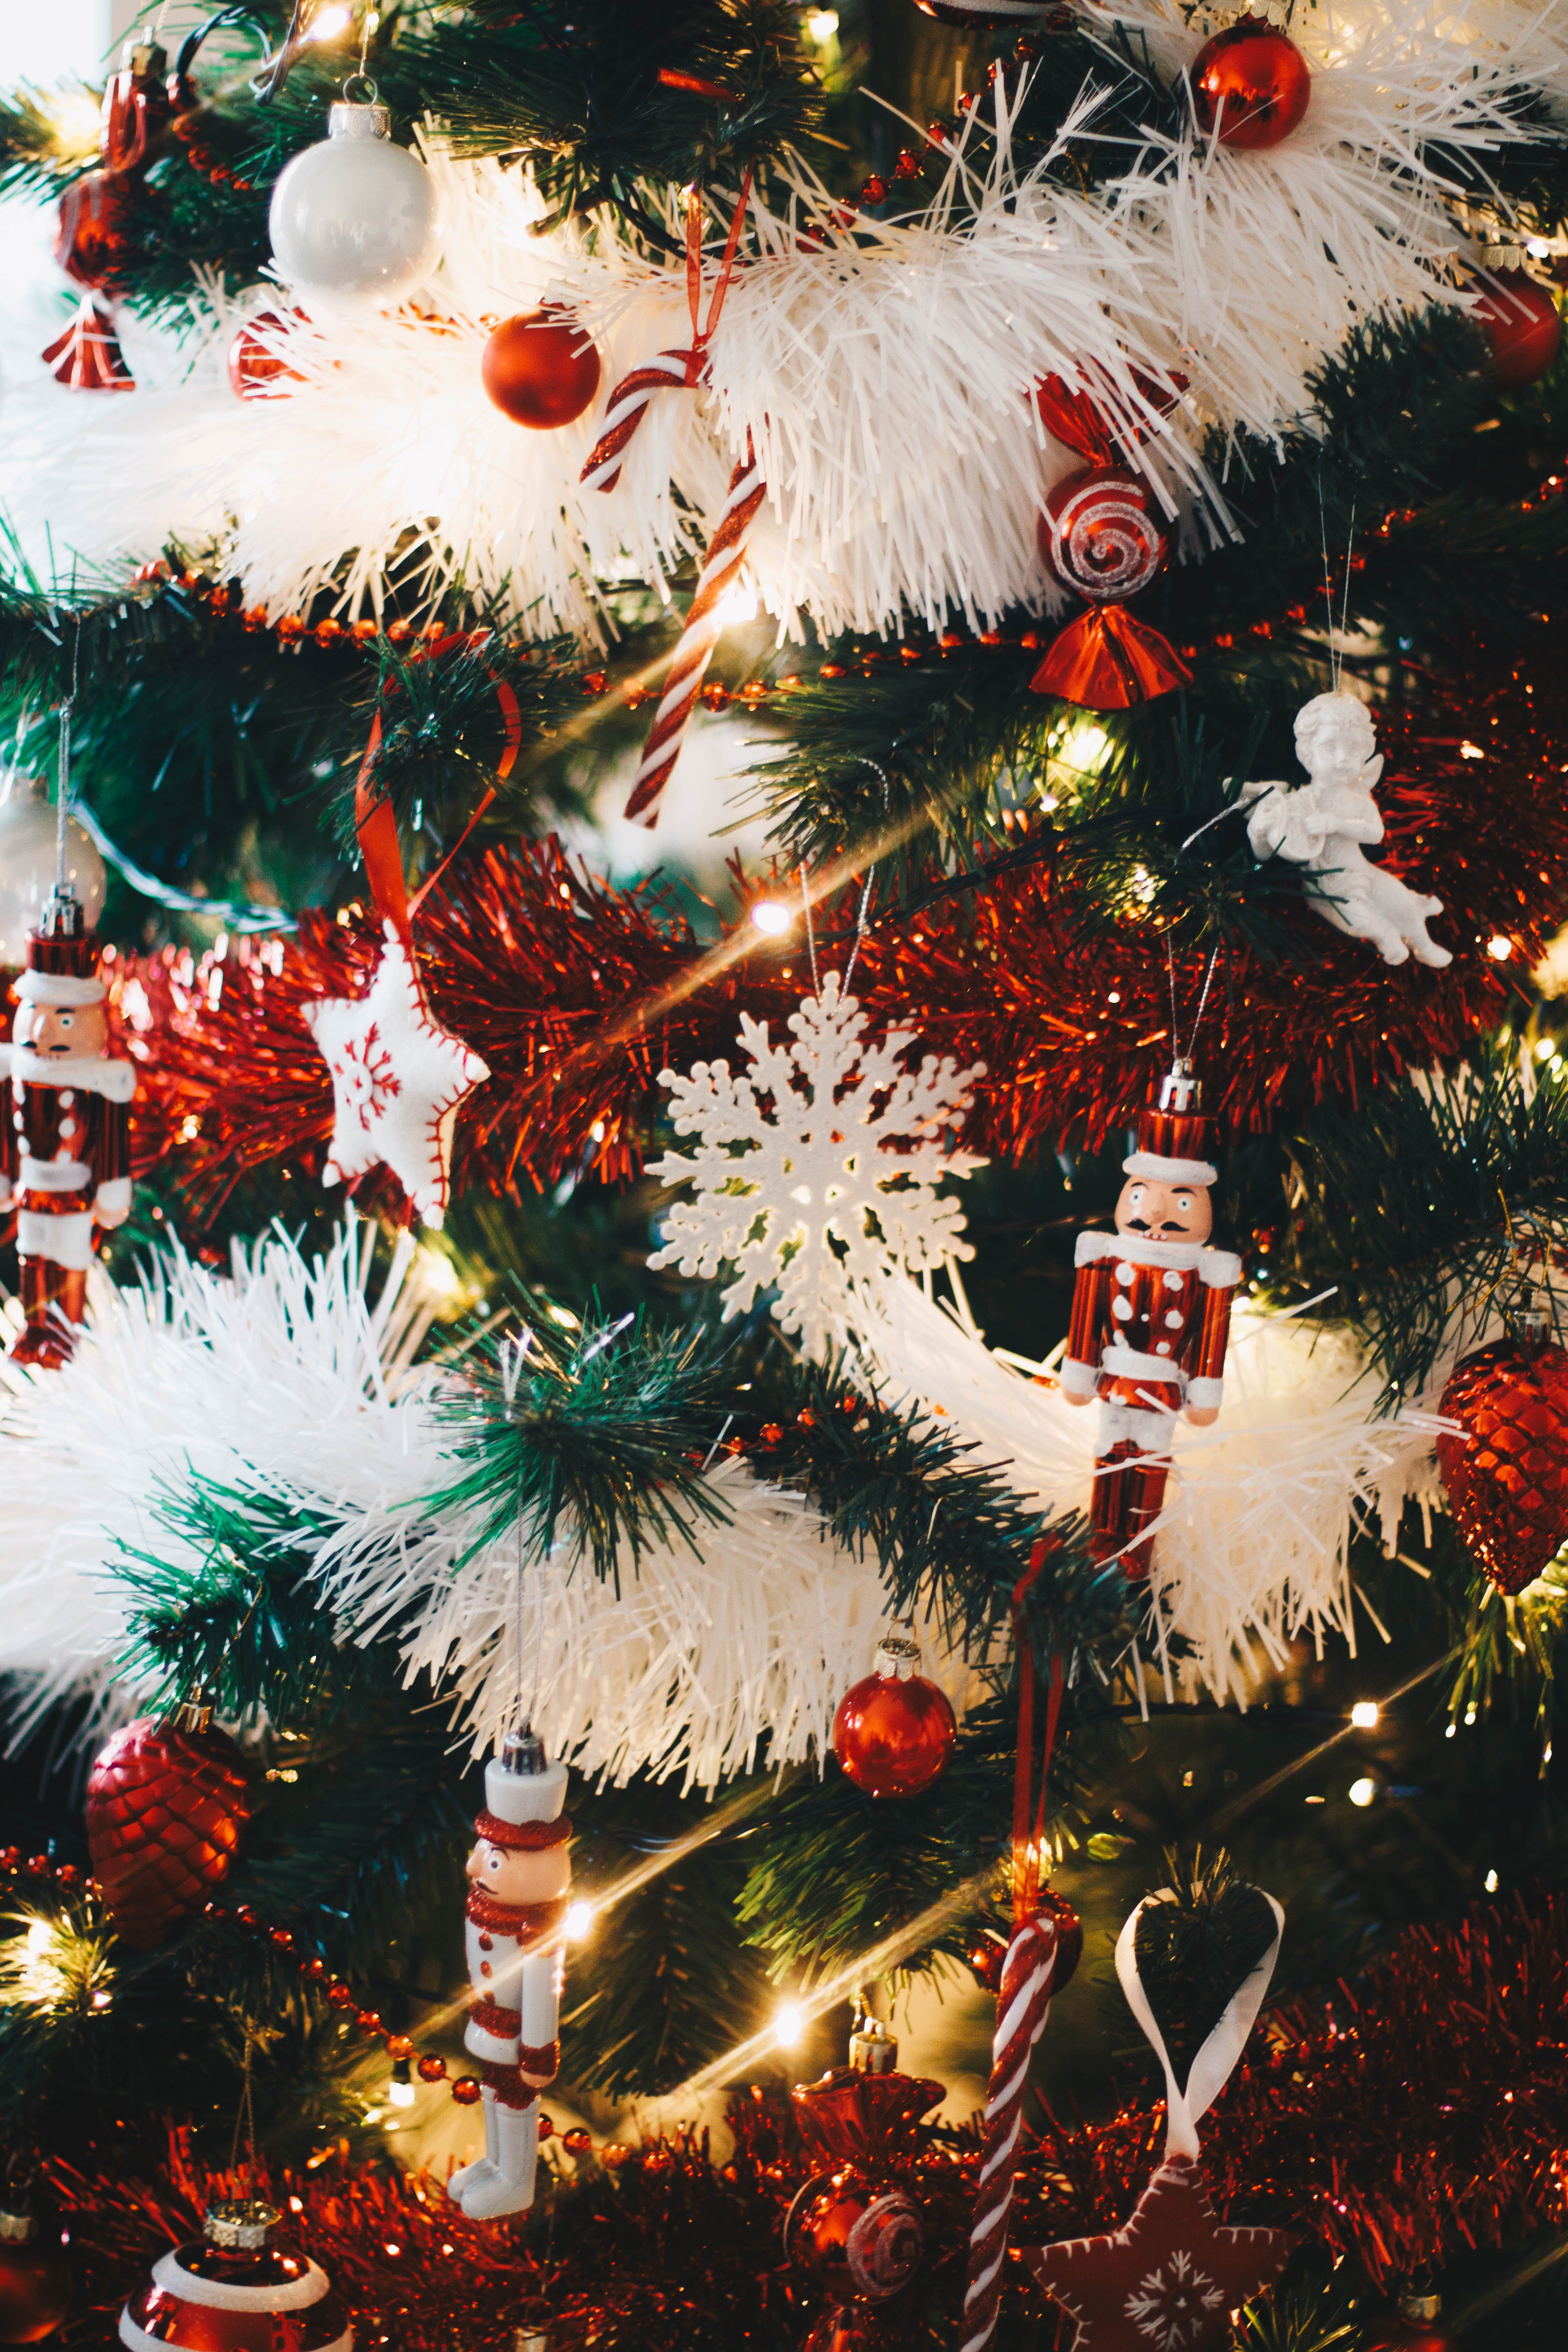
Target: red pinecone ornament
1507, 1477
165, 1805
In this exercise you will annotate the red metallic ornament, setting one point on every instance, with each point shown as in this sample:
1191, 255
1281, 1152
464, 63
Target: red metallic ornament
541, 369
1250, 85
894, 1731
35, 2279
165, 1805
990, 1947
257, 370
94, 238
232, 2290
1524, 326
137, 105
855, 2239
86, 357
1507, 1477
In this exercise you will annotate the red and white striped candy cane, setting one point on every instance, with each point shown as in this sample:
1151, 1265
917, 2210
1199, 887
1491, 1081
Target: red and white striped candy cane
688, 368
1021, 2008
726, 553
624, 413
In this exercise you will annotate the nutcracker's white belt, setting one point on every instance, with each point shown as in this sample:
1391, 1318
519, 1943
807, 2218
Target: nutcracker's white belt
65, 1240
1130, 1365
54, 1175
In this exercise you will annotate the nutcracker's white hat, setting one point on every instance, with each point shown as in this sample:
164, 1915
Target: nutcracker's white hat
59, 990
523, 1800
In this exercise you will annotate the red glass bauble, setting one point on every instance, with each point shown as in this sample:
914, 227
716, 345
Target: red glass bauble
1506, 1476
257, 369
1523, 324
894, 1731
541, 369
233, 2291
855, 2239
165, 1805
34, 2281
1101, 533
94, 240
1250, 85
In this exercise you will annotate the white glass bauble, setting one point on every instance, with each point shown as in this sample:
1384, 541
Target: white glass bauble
355, 216
27, 864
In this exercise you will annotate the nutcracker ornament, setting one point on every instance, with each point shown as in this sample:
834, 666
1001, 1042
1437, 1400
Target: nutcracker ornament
65, 1161
1151, 1314
519, 1873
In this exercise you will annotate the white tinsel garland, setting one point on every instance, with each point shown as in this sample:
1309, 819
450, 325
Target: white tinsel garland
1252, 1548
884, 377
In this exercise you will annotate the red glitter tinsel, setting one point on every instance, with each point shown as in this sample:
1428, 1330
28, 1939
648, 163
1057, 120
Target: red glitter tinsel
578, 994
1425, 2115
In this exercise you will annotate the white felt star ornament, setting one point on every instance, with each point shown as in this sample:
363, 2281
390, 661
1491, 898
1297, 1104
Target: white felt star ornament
397, 1081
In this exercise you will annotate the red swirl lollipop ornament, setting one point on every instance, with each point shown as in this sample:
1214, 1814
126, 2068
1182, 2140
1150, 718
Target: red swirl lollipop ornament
1101, 534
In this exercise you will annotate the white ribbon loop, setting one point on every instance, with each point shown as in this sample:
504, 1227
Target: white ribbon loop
1211, 2068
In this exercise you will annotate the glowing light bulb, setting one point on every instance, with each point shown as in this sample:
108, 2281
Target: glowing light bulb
789, 2025
737, 604
1362, 1792
328, 23
400, 2094
768, 915
823, 23
580, 1917
1492, 1882
438, 1274
1363, 1714
1499, 948
40, 1935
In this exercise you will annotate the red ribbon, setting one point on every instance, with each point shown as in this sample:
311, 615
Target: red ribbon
1029, 1834
696, 357
376, 824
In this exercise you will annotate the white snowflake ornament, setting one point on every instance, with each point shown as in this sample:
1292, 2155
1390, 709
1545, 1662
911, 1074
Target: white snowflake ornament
817, 1170
397, 1082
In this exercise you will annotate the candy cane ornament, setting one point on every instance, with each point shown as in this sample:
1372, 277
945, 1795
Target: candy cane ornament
1022, 2008
726, 553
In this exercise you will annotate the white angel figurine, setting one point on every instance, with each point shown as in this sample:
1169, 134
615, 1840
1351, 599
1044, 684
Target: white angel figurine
1321, 826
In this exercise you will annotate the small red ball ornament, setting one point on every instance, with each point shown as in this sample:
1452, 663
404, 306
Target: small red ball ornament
257, 369
165, 1805
894, 1732
232, 2291
1415, 2327
541, 369
1101, 534
1250, 85
35, 2279
1506, 1475
1523, 325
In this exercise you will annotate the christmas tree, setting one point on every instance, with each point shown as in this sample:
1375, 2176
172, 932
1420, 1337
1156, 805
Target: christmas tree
785, 883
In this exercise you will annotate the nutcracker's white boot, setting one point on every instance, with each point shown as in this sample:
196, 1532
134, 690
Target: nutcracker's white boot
509, 2189
470, 2176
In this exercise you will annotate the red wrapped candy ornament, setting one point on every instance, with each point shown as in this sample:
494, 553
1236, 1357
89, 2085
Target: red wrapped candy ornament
96, 234
894, 1731
1102, 535
1250, 85
1507, 1473
165, 1805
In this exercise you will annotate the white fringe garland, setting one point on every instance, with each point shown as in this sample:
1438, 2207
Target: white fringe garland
1251, 1550
885, 379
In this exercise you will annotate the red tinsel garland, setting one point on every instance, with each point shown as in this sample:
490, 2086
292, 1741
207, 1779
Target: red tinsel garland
1427, 2116
577, 994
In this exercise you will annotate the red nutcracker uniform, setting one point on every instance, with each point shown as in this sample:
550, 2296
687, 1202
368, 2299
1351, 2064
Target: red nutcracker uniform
519, 1873
1150, 1317
65, 1159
